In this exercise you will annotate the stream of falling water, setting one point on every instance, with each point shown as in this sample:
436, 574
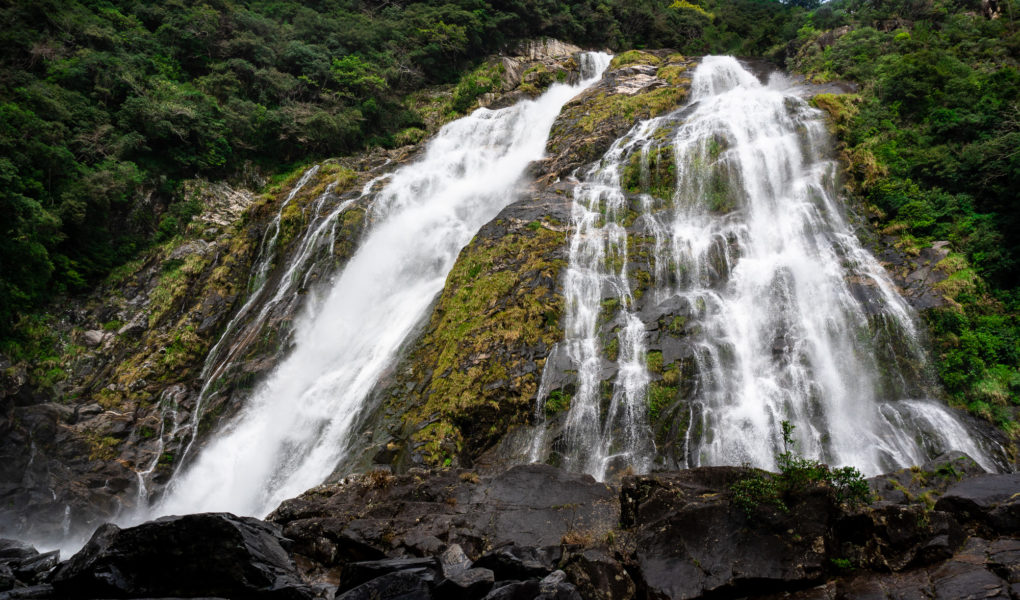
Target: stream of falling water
752, 269
291, 433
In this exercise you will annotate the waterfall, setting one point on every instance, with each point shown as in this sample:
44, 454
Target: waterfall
292, 431
715, 288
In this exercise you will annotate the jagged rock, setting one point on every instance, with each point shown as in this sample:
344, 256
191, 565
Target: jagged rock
358, 573
192, 555
896, 537
590, 123
29, 569
402, 585
599, 576
521, 562
135, 327
7, 578
14, 549
33, 592
460, 580
467, 584
517, 590
544, 48
926, 482
554, 586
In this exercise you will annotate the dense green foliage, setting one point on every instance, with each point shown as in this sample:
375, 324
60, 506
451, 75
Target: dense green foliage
796, 475
106, 105
932, 143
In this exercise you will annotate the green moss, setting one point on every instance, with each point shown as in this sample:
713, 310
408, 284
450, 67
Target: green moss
496, 306
613, 348
557, 402
102, 447
409, 136
603, 107
671, 374
173, 286
633, 57
964, 281
610, 307
674, 75
486, 78
659, 397
185, 348
654, 361
676, 325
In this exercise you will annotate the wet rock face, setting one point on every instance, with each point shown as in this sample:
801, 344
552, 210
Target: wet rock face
23, 566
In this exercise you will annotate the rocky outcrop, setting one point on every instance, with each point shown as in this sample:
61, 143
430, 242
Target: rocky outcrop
535, 531
638, 85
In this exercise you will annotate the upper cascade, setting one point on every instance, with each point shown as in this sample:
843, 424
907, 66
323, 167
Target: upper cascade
715, 289
718, 75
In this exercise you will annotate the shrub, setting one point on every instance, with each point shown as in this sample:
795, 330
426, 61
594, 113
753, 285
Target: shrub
797, 474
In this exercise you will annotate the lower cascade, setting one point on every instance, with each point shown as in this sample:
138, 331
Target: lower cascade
292, 431
715, 288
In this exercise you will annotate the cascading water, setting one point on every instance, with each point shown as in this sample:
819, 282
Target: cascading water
291, 433
753, 301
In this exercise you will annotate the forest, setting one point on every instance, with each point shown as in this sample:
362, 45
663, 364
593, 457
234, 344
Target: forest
107, 106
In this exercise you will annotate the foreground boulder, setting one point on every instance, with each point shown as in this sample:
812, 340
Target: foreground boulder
422, 513
212, 554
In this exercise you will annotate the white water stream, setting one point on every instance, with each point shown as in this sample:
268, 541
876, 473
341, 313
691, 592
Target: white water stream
787, 317
292, 431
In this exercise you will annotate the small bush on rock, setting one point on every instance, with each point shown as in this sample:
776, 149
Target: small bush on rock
797, 474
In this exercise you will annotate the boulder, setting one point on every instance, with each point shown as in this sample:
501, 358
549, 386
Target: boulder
372, 516
211, 554
555, 586
992, 501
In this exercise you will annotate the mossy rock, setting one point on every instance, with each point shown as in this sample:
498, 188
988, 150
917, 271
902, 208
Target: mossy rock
588, 125
476, 370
